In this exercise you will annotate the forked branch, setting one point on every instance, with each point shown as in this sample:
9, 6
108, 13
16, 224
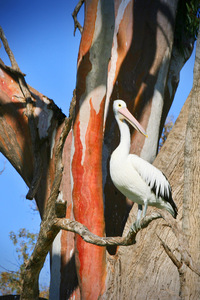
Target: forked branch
74, 16
48, 230
91, 238
185, 259
182, 247
31, 120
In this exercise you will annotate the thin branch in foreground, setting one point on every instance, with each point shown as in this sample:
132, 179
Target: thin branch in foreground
37, 173
168, 251
182, 247
48, 230
74, 16
51, 204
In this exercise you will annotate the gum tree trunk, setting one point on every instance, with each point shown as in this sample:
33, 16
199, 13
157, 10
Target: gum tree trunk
128, 52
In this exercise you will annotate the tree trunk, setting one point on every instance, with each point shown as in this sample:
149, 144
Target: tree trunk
144, 271
127, 51
191, 210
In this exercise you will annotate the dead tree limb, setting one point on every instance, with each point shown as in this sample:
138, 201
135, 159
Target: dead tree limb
9, 51
91, 238
4, 166
182, 245
48, 230
74, 16
169, 252
31, 119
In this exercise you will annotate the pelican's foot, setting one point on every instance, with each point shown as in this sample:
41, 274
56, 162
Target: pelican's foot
136, 226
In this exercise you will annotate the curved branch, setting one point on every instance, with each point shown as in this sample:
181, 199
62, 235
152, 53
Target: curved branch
48, 230
74, 16
31, 120
9, 51
182, 247
91, 238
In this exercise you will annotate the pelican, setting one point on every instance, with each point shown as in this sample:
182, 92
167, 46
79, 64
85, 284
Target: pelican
134, 177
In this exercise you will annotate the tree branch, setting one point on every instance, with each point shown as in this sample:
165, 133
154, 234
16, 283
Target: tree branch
59, 166
4, 166
8, 51
37, 172
169, 252
182, 247
91, 238
48, 230
74, 16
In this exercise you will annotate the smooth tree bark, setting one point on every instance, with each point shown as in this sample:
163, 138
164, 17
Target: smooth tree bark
128, 51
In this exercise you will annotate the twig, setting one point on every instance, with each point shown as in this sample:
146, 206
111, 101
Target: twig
74, 16
4, 166
31, 120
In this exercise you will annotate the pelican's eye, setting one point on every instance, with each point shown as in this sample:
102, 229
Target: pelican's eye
119, 105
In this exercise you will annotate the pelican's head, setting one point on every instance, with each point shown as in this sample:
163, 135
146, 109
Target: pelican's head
122, 113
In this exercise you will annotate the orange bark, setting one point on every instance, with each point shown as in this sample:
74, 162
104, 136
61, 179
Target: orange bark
88, 204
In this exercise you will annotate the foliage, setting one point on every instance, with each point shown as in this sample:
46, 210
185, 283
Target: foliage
192, 18
10, 281
166, 130
187, 23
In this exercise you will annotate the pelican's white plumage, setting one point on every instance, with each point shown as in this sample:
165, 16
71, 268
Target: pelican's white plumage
134, 177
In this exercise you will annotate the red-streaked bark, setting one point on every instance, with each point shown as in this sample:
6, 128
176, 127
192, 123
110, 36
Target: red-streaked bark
140, 78
69, 281
88, 204
87, 190
132, 75
15, 138
125, 52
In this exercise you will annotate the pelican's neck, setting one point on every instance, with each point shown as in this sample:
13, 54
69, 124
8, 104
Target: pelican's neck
125, 138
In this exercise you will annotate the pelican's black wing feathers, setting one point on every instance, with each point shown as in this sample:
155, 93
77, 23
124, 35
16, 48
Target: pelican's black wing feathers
156, 180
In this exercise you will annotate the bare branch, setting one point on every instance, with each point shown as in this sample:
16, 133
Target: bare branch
31, 120
59, 166
91, 238
4, 166
48, 230
74, 16
66, 128
8, 51
182, 245
168, 251
30, 286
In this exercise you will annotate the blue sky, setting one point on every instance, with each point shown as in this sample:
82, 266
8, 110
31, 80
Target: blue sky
40, 34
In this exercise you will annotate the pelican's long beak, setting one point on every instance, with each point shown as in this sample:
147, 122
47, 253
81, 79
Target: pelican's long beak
130, 118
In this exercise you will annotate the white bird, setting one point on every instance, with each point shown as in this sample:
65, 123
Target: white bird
134, 177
